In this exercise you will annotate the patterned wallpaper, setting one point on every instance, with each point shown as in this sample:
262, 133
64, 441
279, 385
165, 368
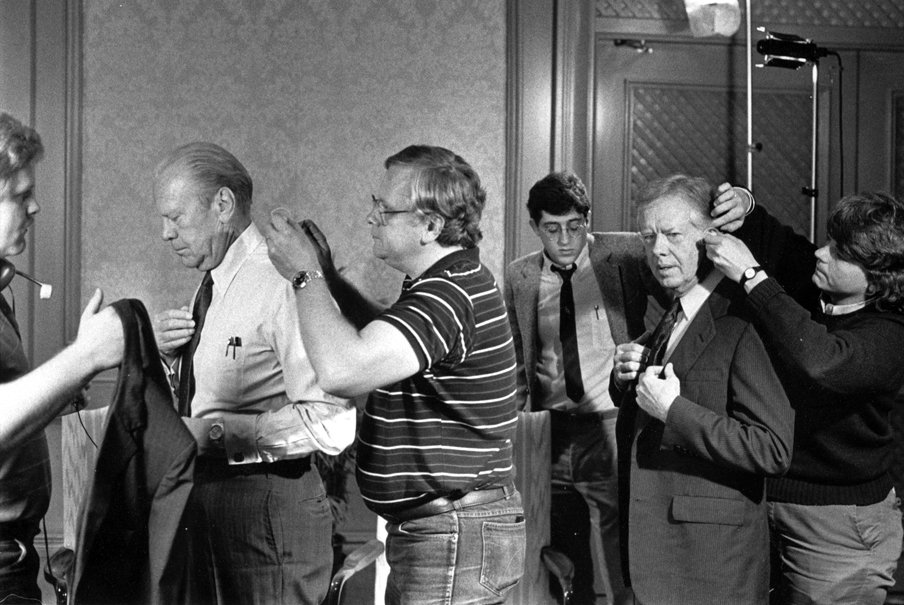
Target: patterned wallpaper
311, 95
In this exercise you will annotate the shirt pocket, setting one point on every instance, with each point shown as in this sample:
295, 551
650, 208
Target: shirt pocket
221, 368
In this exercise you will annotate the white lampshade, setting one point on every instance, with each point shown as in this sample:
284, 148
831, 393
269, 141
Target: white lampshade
710, 18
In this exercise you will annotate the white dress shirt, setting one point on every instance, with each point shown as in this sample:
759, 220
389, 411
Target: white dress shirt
595, 344
832, 309
256, 393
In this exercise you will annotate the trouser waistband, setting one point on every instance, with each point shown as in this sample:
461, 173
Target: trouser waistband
442, 504
218, 467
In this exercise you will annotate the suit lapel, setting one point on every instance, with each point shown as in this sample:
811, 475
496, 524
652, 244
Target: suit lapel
693, 343
526, 291
609, 281
699, 333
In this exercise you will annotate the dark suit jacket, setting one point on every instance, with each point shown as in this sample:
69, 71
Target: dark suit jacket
624, 281
131, 546
692, 489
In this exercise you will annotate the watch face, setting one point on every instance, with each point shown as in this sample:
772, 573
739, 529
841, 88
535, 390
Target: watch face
749, 273
302, 278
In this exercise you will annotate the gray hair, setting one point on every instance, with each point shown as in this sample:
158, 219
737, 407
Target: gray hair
696, 191
210, 167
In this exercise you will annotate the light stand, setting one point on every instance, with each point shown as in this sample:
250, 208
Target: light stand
792, 52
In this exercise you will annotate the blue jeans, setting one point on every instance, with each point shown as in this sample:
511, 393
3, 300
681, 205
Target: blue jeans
469, 556
836, 553
18, 572
584, 507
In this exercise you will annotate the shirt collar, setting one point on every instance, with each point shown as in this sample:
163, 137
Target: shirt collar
466, 254
249, 239
830, 309
695, 298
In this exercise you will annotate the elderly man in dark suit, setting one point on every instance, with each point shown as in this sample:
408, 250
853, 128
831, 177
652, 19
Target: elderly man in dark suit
569, 304
703, 420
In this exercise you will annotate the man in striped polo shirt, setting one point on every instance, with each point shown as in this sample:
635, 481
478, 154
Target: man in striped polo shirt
435, 445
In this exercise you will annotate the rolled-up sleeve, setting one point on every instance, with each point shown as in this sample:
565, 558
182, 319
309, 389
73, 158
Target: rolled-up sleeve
293, 431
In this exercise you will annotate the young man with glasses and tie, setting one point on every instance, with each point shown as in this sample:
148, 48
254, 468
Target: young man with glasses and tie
703, 420
569, 304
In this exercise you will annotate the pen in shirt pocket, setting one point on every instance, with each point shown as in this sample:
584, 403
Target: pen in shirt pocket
596, 309
234, 342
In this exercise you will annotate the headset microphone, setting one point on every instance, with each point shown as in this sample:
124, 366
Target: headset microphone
8, 271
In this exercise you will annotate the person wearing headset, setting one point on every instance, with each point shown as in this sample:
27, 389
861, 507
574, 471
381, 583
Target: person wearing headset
30, 400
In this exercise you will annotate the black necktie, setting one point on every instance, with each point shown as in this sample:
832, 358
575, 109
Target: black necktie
659, 340
574, 384
186, 368
8, 313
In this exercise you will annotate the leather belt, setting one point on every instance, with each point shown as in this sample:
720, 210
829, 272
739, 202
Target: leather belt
209, 467
441, 505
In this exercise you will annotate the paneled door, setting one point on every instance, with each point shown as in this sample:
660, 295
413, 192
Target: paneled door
666, 107
880, 120
880, 166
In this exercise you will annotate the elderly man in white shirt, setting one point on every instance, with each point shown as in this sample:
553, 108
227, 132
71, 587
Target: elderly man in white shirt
247, 389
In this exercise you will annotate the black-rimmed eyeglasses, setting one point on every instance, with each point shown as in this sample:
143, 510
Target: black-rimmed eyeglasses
573, 228
379, 208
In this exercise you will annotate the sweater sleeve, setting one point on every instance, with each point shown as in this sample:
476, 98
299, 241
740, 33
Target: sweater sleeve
863, 354
785, 255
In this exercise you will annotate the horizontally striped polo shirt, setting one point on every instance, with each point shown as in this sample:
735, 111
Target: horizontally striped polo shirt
448, 429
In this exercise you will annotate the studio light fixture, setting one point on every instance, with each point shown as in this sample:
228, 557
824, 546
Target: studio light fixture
788, 50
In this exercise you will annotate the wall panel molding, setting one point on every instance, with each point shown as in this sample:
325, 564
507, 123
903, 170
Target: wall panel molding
549, 74
529, 86
573, 101
72, 193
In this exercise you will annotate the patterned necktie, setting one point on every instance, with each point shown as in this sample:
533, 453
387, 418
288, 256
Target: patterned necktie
658, 343
659, 340
8, 313
574, 384
186, 368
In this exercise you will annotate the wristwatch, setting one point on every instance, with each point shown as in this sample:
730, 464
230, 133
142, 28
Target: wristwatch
302, 278
749, 273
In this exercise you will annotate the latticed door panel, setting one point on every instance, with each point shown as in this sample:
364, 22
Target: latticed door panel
701, 131
680, 107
